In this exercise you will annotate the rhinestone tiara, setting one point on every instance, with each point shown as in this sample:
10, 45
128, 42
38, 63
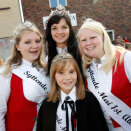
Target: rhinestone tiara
60, 10
61, 56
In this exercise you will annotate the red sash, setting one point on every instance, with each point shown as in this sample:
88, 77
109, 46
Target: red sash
121, 86
21, 113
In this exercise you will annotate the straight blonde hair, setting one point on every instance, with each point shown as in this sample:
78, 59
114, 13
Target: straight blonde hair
61, 65
109, 48
16, 57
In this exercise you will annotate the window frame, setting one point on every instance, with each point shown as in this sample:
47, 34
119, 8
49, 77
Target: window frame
57, 3
112, 34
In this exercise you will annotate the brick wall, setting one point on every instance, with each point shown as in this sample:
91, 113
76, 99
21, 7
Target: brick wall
114, 14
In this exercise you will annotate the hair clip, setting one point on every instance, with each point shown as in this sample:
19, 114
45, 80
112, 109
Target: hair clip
62, 56
60, 10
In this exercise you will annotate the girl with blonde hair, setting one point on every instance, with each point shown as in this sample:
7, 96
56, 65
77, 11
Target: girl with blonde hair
23, 80
68, 106
108, 73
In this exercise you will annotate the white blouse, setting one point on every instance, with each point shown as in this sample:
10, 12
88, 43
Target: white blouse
61, 114
30, 93
107, 78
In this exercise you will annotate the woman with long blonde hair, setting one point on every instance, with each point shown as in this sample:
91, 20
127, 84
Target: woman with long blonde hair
23, 81
108, 73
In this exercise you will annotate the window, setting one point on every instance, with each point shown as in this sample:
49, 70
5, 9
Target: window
54, 3
111, 34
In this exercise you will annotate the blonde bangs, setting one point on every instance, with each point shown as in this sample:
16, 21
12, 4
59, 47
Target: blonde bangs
64, 64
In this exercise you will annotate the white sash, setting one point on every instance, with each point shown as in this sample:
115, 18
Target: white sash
117, 109
33, 78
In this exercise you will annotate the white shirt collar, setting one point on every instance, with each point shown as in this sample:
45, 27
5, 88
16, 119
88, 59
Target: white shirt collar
72, 95
60, 50
103, 58
30, 64
26, 62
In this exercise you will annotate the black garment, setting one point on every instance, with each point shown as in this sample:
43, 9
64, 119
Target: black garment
65, 107
89, 115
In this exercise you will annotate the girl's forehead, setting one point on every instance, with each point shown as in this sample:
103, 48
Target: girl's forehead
65, 65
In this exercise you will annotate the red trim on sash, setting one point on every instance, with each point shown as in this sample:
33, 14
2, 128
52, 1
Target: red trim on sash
121, 86
86, 84
74, 122
20, 112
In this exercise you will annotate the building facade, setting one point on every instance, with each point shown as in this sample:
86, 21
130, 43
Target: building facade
10, 16
114, 14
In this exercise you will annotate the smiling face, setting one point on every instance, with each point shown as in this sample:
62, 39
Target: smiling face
60, 33
91, 43
66, 78
30, 46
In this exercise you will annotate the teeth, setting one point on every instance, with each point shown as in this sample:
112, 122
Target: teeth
67, 83
34, 51
90, 48
60, 37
